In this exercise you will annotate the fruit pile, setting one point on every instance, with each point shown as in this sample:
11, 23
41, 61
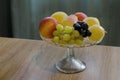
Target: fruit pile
74, 29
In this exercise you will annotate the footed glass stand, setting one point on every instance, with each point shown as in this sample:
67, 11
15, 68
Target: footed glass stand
70, 64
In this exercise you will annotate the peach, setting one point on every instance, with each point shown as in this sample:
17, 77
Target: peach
70, 20
47, 26
80, 15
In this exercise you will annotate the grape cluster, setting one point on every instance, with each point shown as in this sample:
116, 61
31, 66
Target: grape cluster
82, 27
67, 35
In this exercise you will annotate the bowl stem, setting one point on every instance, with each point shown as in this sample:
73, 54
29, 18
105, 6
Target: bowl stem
70, 64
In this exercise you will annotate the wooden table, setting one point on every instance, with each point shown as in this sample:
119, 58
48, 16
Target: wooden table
22, 59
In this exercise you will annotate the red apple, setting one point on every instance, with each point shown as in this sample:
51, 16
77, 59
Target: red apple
47, 26
80, 15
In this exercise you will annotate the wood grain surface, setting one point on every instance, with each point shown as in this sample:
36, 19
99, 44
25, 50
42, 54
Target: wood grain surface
22, 59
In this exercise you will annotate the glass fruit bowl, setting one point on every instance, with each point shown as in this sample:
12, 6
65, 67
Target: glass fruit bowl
70, 64
71, 31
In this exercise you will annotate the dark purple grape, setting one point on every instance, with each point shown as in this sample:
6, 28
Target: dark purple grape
83, 32
84, 26
84, 35
88, 33
77, 26
80, 22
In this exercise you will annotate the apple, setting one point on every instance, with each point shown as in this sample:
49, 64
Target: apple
47, 27
81, 16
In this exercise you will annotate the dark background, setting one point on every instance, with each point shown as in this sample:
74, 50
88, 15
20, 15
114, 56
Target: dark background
5, 19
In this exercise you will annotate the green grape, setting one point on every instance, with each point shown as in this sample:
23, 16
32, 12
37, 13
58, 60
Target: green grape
61, 36
56, 33
72, 36
62, 42
79, 42
72, 41
76, 33
66, 37
68, 29
55, 39
81, 37
59, 27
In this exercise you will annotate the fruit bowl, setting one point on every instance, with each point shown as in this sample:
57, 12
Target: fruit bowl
73, 31
70, 64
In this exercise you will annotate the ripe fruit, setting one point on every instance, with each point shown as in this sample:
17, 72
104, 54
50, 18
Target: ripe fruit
79, 42
82, 27
98, 33
56, 33
47, 26
75, 33
68, 29
59, 16
55, 39
80, 15
66, 37
88, 33
62, 42
77, 26
70, 20
59, 27
91, 21
73, 30
71, 42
